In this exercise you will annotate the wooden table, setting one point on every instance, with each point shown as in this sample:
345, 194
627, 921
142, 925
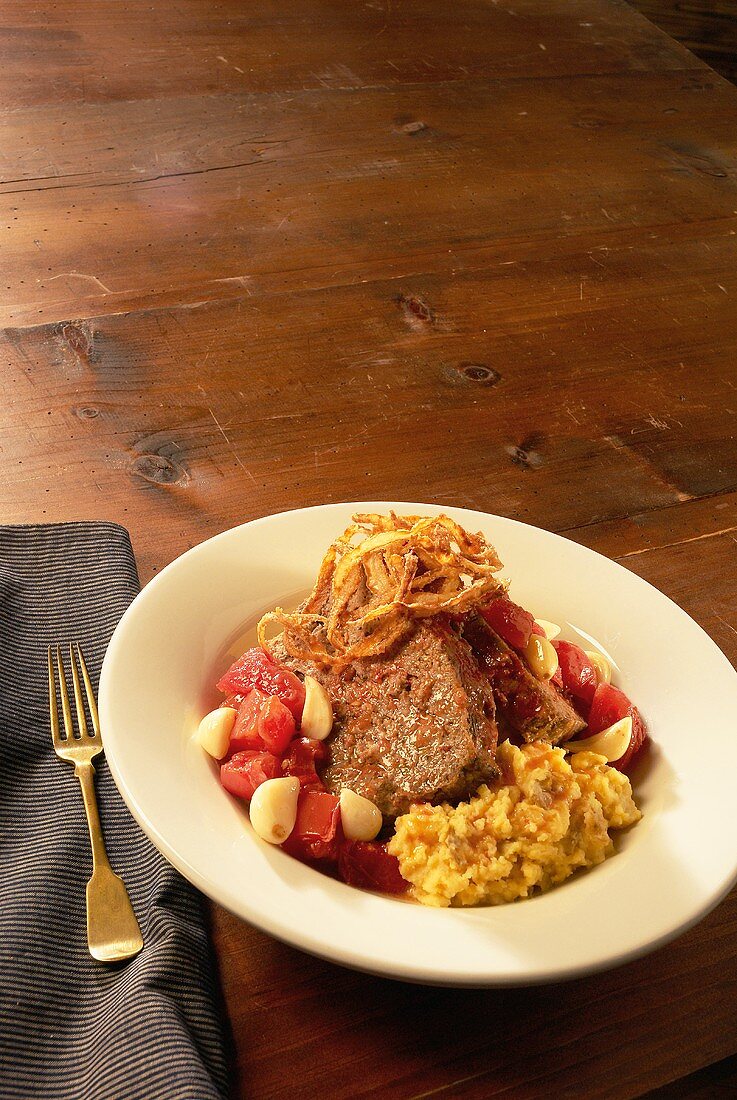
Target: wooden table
262, 255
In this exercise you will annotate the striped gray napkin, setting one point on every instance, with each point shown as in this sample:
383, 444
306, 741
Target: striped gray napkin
71, 1027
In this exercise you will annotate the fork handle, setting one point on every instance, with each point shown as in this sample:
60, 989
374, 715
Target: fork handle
85, 773
113, 933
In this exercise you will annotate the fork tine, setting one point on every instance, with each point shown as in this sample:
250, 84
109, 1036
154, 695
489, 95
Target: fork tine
53, 711
68, 727
79, 702
89, 692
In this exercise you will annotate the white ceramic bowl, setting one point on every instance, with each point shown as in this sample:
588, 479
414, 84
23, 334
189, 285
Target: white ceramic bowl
669, 870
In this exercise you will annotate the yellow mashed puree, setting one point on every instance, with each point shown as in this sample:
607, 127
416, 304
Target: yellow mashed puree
527, 834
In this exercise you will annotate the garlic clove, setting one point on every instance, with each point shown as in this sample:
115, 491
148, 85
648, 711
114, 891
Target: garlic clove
611, 743
273, 809
213, 732
360, 817
601, 666
541, 657
317, 715
552, 630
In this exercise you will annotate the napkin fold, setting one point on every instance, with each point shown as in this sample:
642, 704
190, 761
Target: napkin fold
71, 1027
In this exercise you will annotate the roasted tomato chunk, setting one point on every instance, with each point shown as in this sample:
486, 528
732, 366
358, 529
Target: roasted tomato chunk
510, 621
245, 771
608, 706
256, 670
367, 863
263, 722
316, 834
578, 674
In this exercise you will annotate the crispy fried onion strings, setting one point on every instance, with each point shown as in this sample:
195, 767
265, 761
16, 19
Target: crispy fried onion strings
368, 593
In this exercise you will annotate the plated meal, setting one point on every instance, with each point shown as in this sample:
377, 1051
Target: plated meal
189, 624
412, 730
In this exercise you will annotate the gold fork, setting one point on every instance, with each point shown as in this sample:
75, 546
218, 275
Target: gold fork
112, 928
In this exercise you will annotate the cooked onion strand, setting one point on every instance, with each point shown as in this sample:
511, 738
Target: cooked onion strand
369, 593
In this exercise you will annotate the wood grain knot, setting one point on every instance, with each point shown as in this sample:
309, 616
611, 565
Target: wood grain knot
479, 373
87, 412
159, 470
406, 124
415, 127
416, 312
526, 455
80, 337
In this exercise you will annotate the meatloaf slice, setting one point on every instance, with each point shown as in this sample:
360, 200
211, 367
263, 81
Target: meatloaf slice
415, 726
533, 708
